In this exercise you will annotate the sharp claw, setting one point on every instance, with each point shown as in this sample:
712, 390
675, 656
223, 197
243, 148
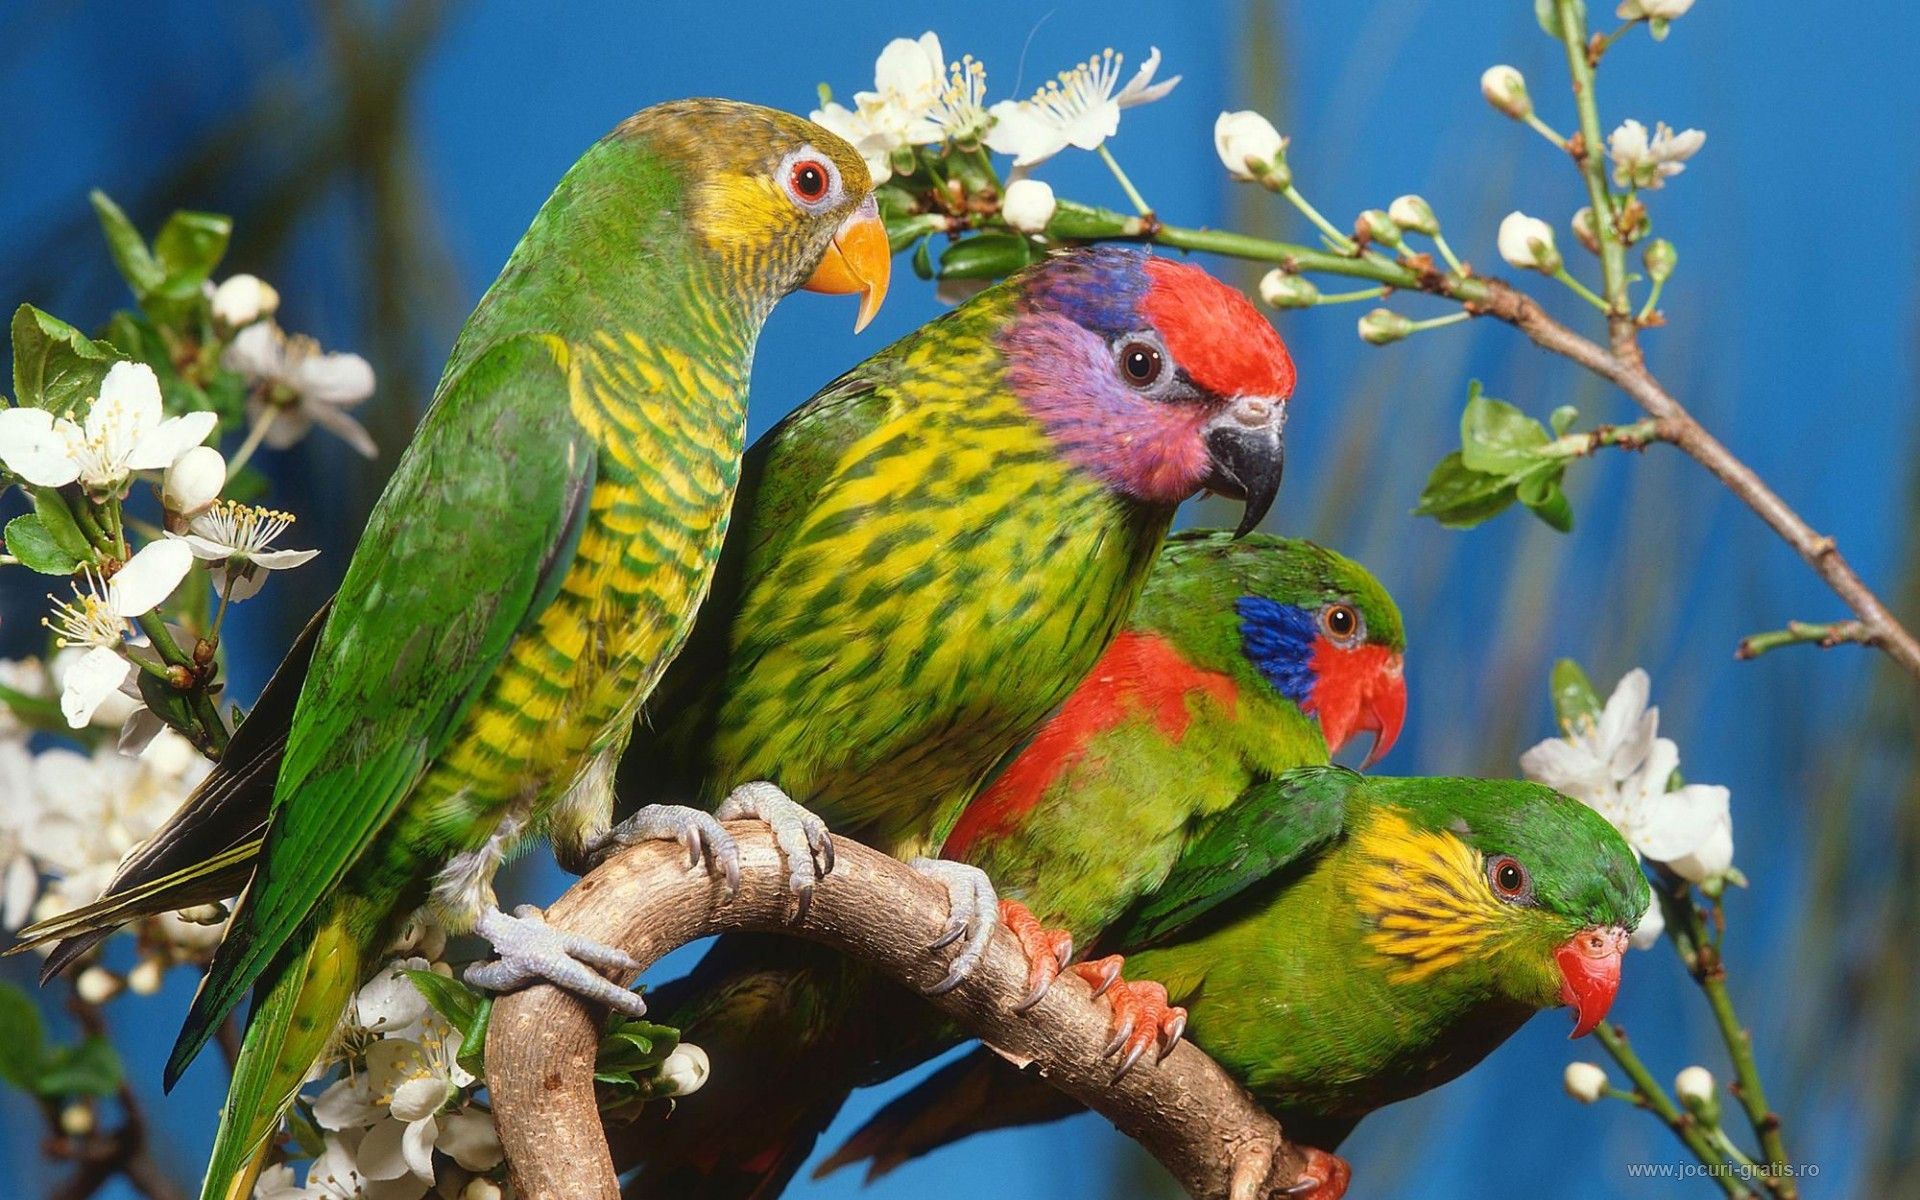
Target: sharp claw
1120, 1036
1127, 1063
805, 903
1171, 1033
950, 982
955, 930
826, 859
1101, 975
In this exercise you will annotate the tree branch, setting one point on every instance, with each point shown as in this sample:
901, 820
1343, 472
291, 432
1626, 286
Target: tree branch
1201, 1125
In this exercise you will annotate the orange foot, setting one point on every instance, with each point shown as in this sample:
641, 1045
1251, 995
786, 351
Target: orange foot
1142, 1016
1325, 1177
1048, 950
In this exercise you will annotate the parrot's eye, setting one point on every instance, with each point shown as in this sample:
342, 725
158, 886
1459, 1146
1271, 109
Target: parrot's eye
808, 180
1509, 878
1340, 621
1141, 363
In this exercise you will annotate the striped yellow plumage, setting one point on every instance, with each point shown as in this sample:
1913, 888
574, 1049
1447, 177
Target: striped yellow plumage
1423, 893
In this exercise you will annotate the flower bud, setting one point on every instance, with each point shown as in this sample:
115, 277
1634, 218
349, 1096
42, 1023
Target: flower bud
1659, 258
1412, 213
480, 1188
1377, 226
1251, 148
145, 978
76, 1120
1711, 858
193, 482
1585, 1081
97, 985
1584, 230
1506, 89
1283, 290
684, 1071
1694, 1087
1384, 325
244, 299
204, 914
1028, 205
1654, 10
1528, 242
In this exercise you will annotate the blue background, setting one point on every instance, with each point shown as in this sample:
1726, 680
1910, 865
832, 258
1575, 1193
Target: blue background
383, 159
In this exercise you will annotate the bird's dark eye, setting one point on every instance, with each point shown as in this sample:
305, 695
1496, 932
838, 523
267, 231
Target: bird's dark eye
1509, 878
1141, 363
808, 180
1339, 621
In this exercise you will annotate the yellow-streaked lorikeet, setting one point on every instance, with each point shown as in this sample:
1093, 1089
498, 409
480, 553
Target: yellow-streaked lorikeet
1341, 943
1243, 659
928, 555
532, 567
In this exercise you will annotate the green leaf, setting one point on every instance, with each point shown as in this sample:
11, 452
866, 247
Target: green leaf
1541, 492
137, 265
1574, 700
986, 256
1460, 497
188, 247
1548, 14
35, 546
1497, 438
306, 1131
168, 703
57, 519
55, 366
1562, 419
89, 1068
21, 1038
450, 998
923, 258
1658, 27
473, 1040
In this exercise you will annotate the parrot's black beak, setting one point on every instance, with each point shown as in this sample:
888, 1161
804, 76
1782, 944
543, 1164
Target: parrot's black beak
1248, 454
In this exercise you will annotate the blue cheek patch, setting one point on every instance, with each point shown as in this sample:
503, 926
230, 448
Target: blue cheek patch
1279, 639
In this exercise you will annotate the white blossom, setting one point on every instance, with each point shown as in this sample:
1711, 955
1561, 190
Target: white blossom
906, 107
95, 624
237, 539
1693, 1086
685, 1070
1028, 205
1506, 89
1643, 162
335, 1175
124, 430
1528, 242
19, 809
1248, 144
411, 1075
27, 676
244, 299
1619, 767
1651, 927
1658, 10
1079, 109
194, 481
301, 384
1413, 213
1283, 289
1585, 1081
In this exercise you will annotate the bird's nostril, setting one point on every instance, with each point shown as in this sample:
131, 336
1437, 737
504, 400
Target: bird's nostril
1253, 410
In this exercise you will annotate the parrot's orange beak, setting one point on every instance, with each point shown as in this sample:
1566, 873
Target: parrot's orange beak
858, 260
1590, 974
1384, 711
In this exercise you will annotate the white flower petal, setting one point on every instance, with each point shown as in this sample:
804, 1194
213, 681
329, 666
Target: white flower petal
149, 577
337, 378
383, 1152
348, 1105
95, 676
22, 884
160, 447
280, 560
417, 1146
259, 350
471, 1139
1684, 822
343, 427
419, 1098
135, 390
1137, 91
1653, 923
34, 449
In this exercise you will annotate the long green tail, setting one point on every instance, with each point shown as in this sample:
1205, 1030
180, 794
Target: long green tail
297, 1010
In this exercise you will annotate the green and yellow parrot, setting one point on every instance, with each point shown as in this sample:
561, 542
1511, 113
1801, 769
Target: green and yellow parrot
930, 554
1244, 658
531, 569
1341, 943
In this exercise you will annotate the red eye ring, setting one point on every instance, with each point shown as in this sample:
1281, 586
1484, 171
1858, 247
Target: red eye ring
808, 180
1508, 878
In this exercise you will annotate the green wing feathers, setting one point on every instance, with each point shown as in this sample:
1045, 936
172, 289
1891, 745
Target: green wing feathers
417, 630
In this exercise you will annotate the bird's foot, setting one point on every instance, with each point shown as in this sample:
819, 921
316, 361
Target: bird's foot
802, 837
699, 833
973, 910
1325, 1177
1142, 1015
532, 951
1048, 950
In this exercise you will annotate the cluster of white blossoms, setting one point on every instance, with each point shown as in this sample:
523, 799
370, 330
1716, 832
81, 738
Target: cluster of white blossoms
1617, 765
921, 99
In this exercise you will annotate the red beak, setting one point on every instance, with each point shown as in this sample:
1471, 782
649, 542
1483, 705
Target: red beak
1590, 974
1360, 690
1384, 710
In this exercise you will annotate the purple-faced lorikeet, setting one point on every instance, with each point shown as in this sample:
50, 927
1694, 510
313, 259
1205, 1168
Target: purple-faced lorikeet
528, 573
1243, 658
1341, 943
930, 554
